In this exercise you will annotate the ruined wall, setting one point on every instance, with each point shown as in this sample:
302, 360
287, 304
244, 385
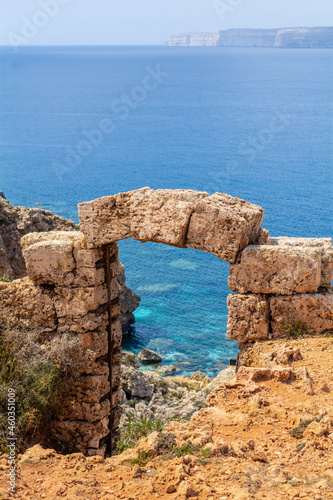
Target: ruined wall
73, 288
67, 293
282, 288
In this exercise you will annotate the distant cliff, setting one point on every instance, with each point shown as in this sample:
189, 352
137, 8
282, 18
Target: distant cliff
279, 38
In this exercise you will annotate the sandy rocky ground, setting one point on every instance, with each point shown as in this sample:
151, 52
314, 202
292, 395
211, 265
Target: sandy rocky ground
267, 433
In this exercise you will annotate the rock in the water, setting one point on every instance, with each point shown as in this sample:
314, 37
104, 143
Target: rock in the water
166, 370
148, 357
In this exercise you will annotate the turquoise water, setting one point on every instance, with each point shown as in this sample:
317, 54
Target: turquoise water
255, 123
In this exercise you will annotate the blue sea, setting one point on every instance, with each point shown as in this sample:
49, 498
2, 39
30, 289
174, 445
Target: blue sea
80, 123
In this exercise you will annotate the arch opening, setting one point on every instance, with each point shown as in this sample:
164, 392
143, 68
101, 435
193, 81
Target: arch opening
72, 288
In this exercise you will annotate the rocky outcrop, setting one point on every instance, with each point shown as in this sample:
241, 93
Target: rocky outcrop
284, 288
129, 301
278, 38
15, 222
218, 224
150, 395
260, 439
247, 38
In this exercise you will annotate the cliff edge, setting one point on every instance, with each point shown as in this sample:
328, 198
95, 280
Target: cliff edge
288, 38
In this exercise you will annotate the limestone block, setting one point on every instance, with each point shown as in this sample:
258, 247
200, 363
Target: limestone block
90, 322
324, 245
25, 305
315, 310
49, 256
144, 214
117, 334
117, 396
248, 317
87, 258
74, 409
84, 434
97, 342
75, 302
218, 224
223, 225
89, 388
276, 269
60, 258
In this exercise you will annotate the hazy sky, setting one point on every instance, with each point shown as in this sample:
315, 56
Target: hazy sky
123, 22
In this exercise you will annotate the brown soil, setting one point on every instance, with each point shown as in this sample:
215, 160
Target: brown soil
246, 427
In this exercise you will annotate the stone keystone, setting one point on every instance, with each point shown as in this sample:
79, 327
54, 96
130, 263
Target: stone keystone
217, 224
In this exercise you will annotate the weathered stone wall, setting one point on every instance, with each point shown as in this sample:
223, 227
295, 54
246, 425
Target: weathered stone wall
281, 287
67, 293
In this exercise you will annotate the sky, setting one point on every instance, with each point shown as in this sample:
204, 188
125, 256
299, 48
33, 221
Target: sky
146, 22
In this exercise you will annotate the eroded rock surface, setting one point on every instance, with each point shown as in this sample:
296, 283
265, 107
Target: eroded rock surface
218, 224
276, 269
251, 442
248, 317
15, 222
315, 311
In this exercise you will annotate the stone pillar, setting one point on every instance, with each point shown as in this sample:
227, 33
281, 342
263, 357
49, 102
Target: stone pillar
84, 305
282, 288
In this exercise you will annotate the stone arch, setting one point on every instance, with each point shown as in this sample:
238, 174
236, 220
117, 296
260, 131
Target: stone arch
73, 288
219, 224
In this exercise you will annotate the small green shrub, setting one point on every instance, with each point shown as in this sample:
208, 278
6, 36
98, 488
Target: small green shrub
38, 369
135, 430
37, 395
166, 443
200, 404
293, 327
300, 446
4, 280
187, 449
142, 459
297, 432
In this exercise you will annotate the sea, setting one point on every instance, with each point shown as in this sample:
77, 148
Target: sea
78, 123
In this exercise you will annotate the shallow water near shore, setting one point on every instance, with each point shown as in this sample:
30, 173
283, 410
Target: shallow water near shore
254, 123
